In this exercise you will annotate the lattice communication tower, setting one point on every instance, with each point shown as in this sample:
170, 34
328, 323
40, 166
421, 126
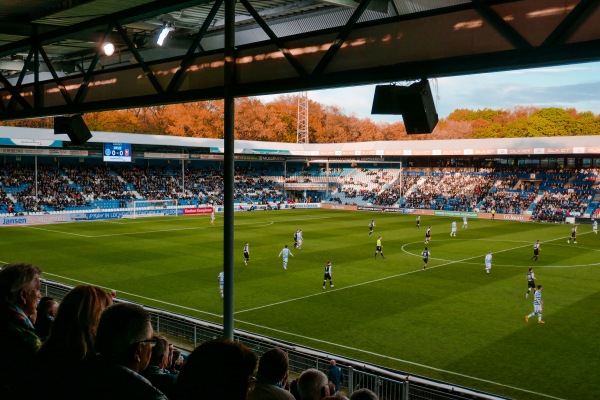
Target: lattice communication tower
302, 128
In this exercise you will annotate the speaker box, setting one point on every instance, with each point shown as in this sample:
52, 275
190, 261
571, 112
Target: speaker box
387, 99
74, 127
414, 102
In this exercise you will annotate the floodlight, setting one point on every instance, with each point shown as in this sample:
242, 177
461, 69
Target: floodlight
167, 28
109, 48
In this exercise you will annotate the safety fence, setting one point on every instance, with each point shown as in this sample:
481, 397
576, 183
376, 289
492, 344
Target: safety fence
187, 333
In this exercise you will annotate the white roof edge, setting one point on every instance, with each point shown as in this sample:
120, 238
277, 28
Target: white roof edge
590, 142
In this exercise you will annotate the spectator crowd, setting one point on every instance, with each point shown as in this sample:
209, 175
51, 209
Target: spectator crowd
90, 347
550, 195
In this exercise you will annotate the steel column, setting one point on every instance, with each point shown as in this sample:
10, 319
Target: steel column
228, 164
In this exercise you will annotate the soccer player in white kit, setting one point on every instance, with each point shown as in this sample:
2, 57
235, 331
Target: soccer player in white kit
595, 227
453, 232
537, 306
488, 262
221, 279
464, 222
285, 252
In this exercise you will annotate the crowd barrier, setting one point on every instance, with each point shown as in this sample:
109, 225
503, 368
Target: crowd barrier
187, 333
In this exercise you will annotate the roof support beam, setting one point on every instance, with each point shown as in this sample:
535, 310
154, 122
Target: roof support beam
576, 17
87, 78
37, 93
133, 14
14, 93
176, 81
278, 42
58, 81
341, 38
26, 63
501, 25
136, 54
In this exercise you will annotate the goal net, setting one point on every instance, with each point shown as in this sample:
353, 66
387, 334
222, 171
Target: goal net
153, 208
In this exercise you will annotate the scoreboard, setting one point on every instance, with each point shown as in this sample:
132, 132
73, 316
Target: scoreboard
117, 152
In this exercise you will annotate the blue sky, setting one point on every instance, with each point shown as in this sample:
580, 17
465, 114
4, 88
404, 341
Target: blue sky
568, 86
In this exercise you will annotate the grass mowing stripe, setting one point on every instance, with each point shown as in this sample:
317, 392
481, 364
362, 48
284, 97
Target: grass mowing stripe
447, 262
141, 297
400, 360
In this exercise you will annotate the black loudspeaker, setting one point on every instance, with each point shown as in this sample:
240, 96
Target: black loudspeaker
414, 102
73, 126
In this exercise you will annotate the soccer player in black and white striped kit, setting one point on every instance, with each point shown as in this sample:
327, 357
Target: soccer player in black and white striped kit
530, 282
536, 250
327, 276
425, 254
246, 253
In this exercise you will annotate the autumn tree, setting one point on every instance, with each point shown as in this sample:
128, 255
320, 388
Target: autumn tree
199, 119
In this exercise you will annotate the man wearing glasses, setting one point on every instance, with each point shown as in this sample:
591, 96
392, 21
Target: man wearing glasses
19, 295
124, 342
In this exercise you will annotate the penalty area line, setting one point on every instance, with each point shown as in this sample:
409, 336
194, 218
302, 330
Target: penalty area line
400, 360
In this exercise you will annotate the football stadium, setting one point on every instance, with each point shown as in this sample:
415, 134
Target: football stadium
143, 229
150, 266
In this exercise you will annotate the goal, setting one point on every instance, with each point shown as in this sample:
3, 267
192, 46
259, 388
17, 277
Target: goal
154, 208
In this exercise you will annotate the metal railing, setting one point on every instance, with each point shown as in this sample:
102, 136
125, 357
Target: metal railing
187, 333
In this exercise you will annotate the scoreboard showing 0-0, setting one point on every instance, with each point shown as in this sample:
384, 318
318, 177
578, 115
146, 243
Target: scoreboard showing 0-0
119, 152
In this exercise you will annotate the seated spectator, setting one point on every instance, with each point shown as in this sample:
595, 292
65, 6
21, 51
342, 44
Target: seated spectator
176, 362
124, 342
156, 373
313, 385
57, 365
74, 330
46, 312
217, 369
363, 394
19, 293
271, 377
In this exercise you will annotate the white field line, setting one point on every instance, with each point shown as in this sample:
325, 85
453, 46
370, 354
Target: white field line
399, 360
54, 231
168, 230
141, 297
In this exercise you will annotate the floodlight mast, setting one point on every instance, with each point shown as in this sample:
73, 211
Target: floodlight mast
302, 126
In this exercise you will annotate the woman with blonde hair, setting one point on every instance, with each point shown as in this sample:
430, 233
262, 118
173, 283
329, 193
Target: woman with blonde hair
73, 331
70, 342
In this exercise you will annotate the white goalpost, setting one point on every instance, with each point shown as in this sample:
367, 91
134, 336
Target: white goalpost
153, 208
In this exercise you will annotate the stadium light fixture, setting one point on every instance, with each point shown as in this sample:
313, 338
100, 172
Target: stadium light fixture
167, 28
139, 40
108, 48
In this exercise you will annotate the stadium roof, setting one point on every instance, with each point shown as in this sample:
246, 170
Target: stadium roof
51, 62
560, 145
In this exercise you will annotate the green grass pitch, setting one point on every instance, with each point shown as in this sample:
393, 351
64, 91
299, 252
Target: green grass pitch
451, 322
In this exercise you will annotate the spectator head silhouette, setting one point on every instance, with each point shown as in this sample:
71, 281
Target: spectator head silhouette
313, 385
125, 335
74, 328
273, 366
217, 369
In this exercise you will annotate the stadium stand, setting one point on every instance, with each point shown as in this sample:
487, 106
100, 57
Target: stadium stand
552, 195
